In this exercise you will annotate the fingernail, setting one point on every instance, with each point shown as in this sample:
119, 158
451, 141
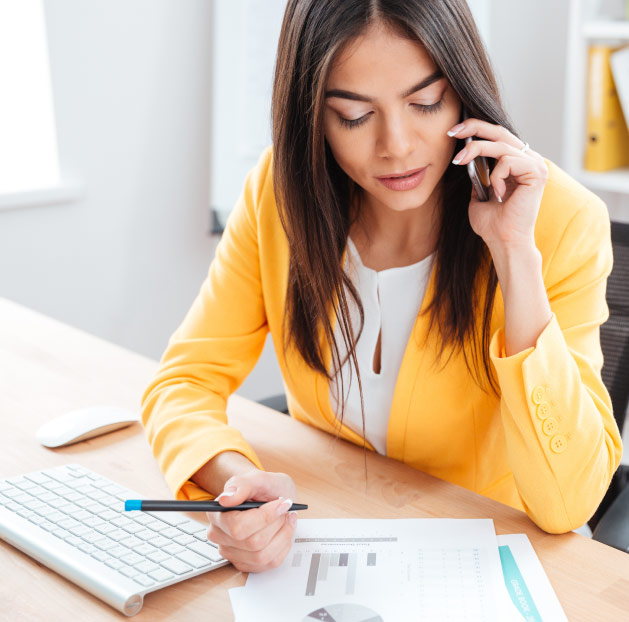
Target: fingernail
226, 493
292, 518
499, 198
459, 156
282, 508
456, 129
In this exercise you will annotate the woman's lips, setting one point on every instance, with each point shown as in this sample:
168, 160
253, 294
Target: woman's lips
407, 181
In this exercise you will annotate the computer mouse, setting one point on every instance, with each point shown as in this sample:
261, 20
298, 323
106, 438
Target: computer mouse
79, 425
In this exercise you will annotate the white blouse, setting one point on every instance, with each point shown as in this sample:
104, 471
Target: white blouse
391, 301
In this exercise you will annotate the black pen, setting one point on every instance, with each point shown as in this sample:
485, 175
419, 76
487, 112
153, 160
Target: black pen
154, 505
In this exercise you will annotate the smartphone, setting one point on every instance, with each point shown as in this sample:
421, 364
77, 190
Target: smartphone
478, 170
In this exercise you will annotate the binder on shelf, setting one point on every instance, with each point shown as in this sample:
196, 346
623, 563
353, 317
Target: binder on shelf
607, 145
620, 70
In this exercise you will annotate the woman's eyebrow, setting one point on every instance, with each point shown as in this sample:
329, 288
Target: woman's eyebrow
437, 75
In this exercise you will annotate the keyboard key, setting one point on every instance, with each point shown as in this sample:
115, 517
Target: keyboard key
80, 530
114, 563
92, 537
25, 484
196, 561
183, 539
143, 519
38, 478
119, 551
108, 514
96, 494
118, 534
101, 556
171, 532
46, 496
74, 541
113, 489
161, 575
105, 544
87, 548
105, 528
131, 542
67, 523
158, 525
129, 571
146, 566
23, 497
160, 541
61, 475
12, 492
122, 521
93, 521
201, 535
158, 556
176, 566
52, 485
173, 548
207, 550
36, 519
48, 526
74, 497
172, 518
144, 549
191, 527
144, 580
61, 533
132, 559
113, 502
54, 517
146, 534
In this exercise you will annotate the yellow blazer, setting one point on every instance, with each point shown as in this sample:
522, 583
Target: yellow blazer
548, 444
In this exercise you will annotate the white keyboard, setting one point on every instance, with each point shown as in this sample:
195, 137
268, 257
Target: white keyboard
73, 521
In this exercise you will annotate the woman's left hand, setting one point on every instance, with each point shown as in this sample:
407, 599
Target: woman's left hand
507, 219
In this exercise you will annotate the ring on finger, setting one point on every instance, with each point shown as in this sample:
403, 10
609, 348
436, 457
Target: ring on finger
524, 148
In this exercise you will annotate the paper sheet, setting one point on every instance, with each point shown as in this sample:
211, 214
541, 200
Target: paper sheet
527, 583
382, 570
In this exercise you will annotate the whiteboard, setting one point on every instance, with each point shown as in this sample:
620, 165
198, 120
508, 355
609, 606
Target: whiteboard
244, 43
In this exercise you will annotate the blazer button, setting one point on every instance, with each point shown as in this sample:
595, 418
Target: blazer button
550, 426
539, 394
543, 410
558, 443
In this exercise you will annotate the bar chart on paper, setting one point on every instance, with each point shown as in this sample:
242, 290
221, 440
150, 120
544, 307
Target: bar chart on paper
341, 565
371, 571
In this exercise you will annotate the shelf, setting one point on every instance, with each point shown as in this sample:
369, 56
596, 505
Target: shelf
606, 30
612, 181
64, 192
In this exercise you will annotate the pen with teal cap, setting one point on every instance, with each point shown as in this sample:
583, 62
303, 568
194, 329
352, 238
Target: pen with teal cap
167, 505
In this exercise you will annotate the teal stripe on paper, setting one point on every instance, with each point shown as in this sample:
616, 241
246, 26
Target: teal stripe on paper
517, 588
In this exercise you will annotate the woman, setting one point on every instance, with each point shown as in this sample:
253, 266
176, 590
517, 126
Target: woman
458, 336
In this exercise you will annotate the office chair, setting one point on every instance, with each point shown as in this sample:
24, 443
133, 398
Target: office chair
610, 522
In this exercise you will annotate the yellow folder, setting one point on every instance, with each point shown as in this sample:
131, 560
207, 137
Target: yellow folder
607, 145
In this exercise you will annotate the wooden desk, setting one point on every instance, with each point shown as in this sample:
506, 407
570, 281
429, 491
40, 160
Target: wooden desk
48, 368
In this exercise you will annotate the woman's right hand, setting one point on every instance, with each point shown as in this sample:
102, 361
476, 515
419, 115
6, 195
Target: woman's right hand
258, 539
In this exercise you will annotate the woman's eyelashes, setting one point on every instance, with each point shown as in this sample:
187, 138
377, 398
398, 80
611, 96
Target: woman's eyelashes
423, 108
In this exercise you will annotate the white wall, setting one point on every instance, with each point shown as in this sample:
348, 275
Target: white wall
132, 95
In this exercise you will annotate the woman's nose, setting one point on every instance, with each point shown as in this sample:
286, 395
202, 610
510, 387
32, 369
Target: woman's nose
397, 138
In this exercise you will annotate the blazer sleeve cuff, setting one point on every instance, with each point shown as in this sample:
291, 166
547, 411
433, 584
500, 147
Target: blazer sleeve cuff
194, 453
513, 364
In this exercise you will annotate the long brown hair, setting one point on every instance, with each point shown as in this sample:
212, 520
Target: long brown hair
314, 195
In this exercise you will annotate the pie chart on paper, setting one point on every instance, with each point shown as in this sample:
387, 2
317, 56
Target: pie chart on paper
344, 612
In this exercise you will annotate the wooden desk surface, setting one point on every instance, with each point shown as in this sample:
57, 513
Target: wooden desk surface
48, 368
